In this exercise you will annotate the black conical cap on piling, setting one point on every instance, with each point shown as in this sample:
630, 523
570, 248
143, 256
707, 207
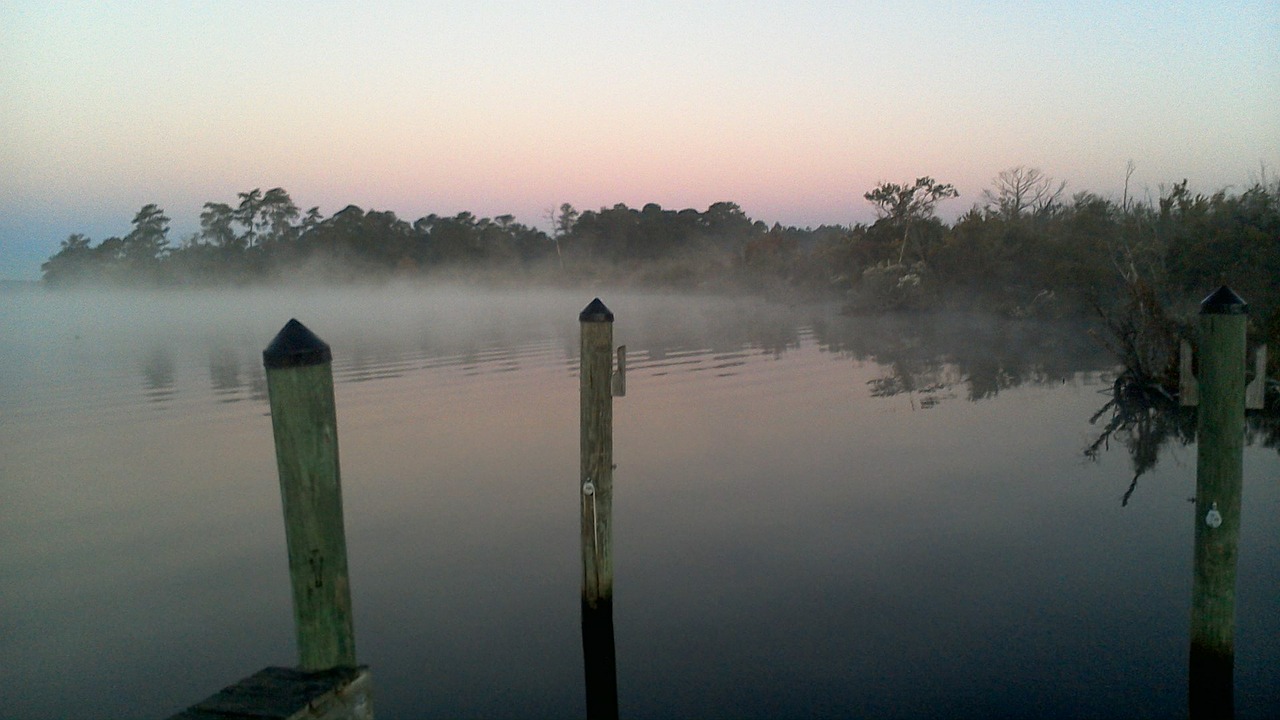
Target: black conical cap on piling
1224, 301
295, 346
595, 312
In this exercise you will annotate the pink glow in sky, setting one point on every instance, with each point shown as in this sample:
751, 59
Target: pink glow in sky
791, 109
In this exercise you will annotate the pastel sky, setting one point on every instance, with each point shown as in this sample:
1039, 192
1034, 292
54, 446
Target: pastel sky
791, 109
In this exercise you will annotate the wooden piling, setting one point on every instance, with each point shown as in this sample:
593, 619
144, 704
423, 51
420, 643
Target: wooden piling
304, 421
1219, 476
596, 480
597, 385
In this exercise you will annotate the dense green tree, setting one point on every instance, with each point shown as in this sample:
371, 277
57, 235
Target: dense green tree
353, 243
564, 220
276, 215
144, 248
906, 207
246, 214
454, 240
217, 226
75, 263
311, 219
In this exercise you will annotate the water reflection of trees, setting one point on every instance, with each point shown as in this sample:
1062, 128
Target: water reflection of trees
233, 376
1143, 423
720, 327
933, 358
1145, 420
158, 374
930, 358
224, 373
937, 357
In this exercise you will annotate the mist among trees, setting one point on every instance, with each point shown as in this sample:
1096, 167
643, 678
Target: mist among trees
1024, 248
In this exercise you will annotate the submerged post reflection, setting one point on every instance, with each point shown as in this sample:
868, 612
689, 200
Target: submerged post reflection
599, 660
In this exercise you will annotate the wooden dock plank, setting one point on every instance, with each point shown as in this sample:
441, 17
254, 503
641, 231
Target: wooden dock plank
277, 693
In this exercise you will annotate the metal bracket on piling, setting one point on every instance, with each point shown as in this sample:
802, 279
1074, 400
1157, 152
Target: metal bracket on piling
618, 380
1255, 393
1188, 384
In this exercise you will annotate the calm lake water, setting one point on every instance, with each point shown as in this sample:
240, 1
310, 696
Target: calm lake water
814, 515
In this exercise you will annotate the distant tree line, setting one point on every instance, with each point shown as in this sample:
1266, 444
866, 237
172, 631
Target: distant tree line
1024, 249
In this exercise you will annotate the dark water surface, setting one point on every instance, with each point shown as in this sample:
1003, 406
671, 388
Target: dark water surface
814, 515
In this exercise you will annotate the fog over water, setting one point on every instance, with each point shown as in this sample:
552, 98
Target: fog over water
814, 514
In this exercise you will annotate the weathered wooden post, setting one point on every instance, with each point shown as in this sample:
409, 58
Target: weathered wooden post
327, 684
1219, 476
304, 421
596, 391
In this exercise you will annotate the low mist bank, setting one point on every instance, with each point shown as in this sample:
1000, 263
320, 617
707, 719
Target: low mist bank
69, 346
1027, 252
58, 335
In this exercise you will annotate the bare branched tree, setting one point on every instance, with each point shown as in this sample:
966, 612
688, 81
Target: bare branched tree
1129, 167
1021, 190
